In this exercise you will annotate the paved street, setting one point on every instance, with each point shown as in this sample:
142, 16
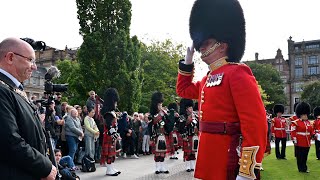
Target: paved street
141, 169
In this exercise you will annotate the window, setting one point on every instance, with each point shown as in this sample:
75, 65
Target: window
313, 60
298, 72
313, 70
312, 46
280, 67
296, 48
298, 61
297, 87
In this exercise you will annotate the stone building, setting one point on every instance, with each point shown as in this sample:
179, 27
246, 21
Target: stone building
301, 67
44, 60
304, 66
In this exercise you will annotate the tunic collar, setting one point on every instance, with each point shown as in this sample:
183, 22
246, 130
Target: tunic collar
218, 63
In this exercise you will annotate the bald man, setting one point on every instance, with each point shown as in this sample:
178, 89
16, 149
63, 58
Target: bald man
23, 151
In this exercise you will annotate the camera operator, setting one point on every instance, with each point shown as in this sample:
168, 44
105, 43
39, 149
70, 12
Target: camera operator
23, 155
53, 123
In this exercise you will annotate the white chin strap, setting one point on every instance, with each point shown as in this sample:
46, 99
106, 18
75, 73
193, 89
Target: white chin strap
210, 51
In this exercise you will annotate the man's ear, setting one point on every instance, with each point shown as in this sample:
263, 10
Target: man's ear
9, 58
223, 47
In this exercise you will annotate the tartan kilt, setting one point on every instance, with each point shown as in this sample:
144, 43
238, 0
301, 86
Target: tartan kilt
108, 146
153, 148
187, 146
169, 143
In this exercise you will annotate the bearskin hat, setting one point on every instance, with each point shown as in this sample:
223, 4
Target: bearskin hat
111, 96
156, 98
184, 104
302, 108
173, 106
278, 108
316, 112
222, 20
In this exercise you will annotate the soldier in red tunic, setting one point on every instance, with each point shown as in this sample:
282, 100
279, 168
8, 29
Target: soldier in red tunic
189, 133
233, 128
316, 127
110, 135
302, 132
279, 126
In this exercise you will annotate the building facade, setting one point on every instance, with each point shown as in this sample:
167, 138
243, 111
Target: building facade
304, 66
34, 86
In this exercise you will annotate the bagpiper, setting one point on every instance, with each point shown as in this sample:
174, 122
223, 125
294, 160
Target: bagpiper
316, 127
189, 133
279, 126
160, 128
174, 135
110, 135
301, 135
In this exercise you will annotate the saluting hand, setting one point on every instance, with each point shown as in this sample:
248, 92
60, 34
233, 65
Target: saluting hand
189, 55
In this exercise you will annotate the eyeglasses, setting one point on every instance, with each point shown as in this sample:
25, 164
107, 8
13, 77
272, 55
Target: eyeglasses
32, 61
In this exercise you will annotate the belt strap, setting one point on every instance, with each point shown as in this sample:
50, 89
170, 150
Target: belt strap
220, 128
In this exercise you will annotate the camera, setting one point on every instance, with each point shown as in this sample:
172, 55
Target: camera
49, 87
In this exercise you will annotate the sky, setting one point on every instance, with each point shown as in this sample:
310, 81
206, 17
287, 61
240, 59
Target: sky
269, 23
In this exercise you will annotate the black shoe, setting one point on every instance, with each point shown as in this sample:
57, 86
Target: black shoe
115, 174
157, 172
304, 171
165, 172
318, 158
172, 158
119, 172
188, 170
284, 158
192, 169
176, 158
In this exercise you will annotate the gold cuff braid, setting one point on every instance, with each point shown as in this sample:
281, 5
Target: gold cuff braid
248, 162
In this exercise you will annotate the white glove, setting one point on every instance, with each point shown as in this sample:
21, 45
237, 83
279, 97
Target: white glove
242, 178
294, 140
189, 55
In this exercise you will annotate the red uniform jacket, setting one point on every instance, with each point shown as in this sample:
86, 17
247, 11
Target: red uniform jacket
279, 127
302, 132
235, 99
316, 127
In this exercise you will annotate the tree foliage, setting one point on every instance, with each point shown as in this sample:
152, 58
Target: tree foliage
270, 81
160, 64
311, 94
108, 56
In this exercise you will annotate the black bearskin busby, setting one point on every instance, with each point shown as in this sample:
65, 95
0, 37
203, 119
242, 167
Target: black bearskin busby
184, 104
222, 20
111, 97
316, 112
156, 98
278, 108
173, 106
302, 108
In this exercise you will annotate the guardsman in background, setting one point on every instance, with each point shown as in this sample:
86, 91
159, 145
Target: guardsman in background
301, 135
232, 124
189, 133
279, 131
316, 127
293, 118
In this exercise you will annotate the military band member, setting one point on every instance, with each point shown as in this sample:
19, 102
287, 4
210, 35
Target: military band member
293, 118
316, 127
301, 135
110, 135
230, 104
174, 135
189, 133
160, 128
279, 125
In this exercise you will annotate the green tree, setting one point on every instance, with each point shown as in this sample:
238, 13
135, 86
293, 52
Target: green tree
270, 81
108, 56
160, 64
311, 94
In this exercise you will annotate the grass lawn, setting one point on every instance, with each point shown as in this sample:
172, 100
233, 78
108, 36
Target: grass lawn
287, 169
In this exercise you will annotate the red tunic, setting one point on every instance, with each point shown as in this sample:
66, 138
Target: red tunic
302, 132
279, 127
316, 127
235, 99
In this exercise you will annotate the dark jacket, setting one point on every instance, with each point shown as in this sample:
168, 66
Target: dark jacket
23, 152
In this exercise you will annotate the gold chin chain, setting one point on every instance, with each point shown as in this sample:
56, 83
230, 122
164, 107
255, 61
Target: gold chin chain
209, 51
